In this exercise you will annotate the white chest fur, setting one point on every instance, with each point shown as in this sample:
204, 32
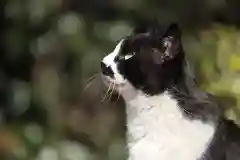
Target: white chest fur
157, 130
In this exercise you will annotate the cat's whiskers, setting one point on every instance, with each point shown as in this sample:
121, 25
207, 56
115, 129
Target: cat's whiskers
112, 90
89, 81
107, 93
88, 85
118, 96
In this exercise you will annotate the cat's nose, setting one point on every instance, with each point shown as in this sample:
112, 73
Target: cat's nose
106, 70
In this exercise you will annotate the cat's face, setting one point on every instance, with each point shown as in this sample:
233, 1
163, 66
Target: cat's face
150, 60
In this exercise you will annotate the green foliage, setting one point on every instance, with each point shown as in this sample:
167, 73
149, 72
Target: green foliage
51, 47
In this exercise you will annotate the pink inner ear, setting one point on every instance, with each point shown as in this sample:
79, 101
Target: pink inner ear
171, 46
168, 45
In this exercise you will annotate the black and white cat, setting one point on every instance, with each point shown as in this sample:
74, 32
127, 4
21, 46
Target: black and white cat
168, 117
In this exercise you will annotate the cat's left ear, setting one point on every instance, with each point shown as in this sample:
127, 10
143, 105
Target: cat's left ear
172, 41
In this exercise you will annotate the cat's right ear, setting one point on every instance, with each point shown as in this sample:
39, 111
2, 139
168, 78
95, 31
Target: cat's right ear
170, 45
172, 41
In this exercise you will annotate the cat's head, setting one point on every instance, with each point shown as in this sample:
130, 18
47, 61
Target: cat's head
151, 60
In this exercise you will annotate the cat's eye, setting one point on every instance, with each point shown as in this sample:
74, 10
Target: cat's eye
127, 56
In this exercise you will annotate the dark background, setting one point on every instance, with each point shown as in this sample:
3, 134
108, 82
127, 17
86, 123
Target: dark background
50, 48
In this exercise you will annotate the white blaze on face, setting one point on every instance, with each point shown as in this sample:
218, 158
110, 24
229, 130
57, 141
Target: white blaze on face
109, 61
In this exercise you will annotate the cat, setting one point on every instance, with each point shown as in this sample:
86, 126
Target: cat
168, 117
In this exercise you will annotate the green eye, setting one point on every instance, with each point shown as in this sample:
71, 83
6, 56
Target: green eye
127, 56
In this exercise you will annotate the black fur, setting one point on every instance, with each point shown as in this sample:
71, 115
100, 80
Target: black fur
153, 69
157, 67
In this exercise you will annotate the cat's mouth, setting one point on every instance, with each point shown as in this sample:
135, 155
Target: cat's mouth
111, 81
107, 80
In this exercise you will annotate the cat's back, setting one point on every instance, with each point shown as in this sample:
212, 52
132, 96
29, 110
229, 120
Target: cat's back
232, 134
226, 143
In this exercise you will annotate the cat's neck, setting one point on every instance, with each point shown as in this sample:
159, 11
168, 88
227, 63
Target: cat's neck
158, 129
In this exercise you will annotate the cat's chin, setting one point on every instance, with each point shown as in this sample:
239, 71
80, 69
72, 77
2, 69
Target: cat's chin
124, 88
108, 81
116, 85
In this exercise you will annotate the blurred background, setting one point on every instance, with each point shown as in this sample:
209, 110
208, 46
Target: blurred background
51, 95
